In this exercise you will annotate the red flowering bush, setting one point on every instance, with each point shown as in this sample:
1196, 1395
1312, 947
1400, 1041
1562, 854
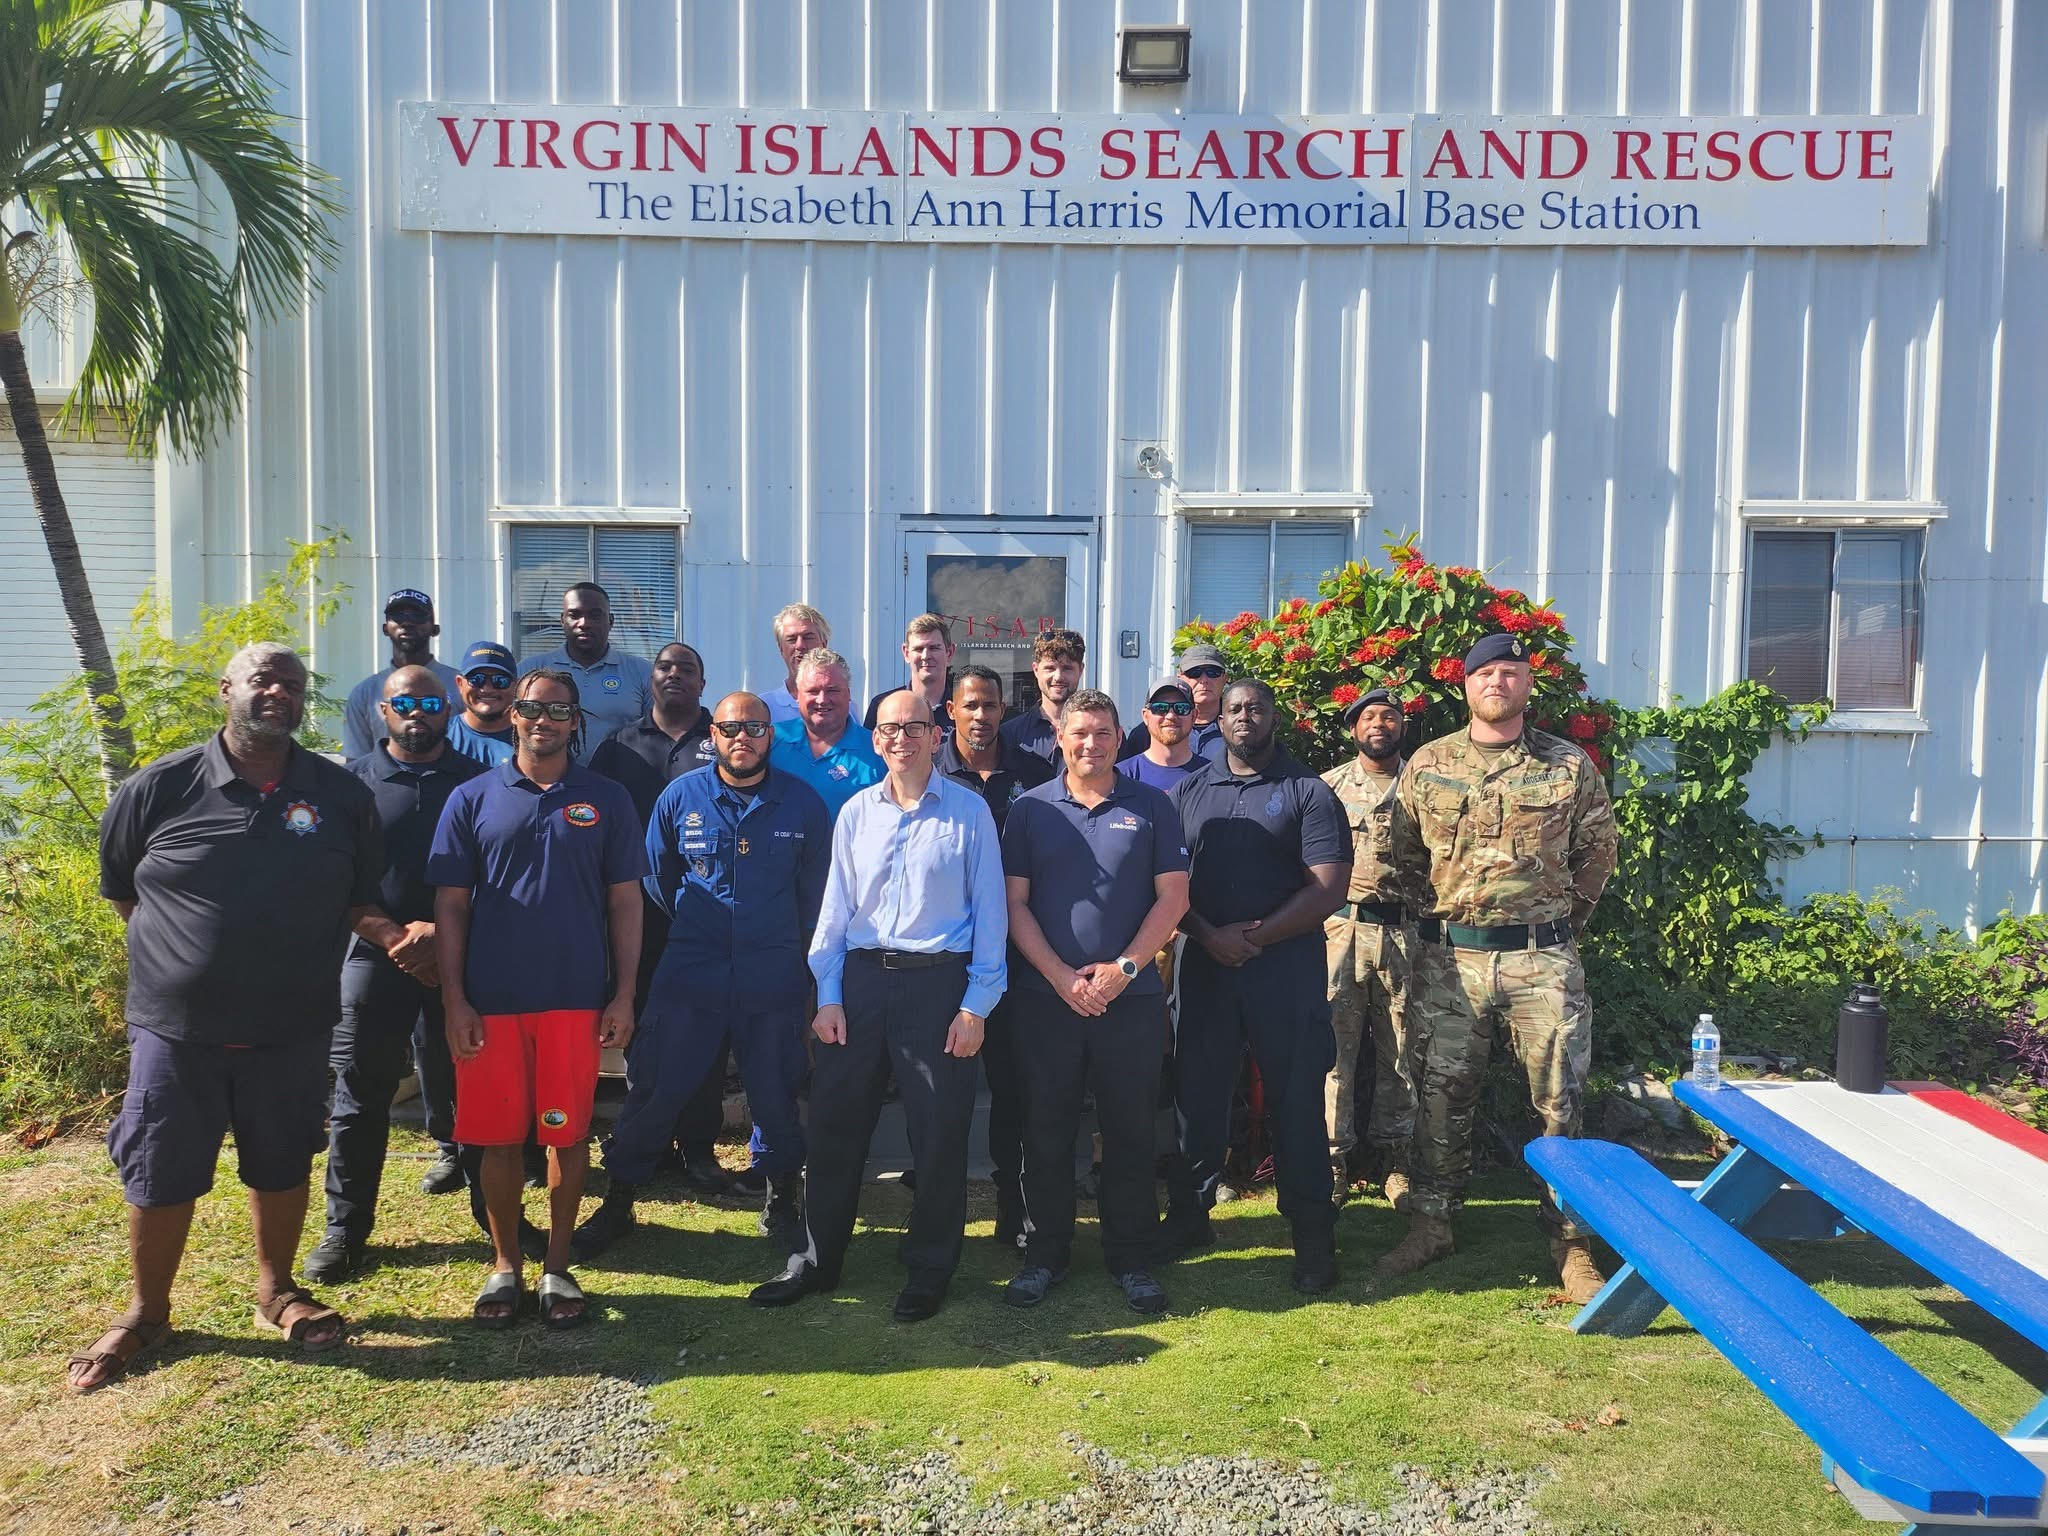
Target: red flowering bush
1405, 627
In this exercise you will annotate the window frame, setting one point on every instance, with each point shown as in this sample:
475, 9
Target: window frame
1837, 518
1340, 514
504, 519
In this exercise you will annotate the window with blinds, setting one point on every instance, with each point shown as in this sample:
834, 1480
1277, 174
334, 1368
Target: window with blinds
1835, 613
1236, 567
637, 566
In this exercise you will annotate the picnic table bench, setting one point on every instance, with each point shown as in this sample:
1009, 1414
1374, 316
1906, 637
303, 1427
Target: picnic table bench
1950, 1183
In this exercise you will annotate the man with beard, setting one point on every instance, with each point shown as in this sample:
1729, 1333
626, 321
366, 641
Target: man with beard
739, 853
1504, 838
1270, 856
483, 729
1201, 668
1367, 942
537, 926
673, 738
799, 629
390, 1000
1168, 756
409, 626
928, 651
240, 866
615, 688
822, 746
1057, 657
908, 956
976, 756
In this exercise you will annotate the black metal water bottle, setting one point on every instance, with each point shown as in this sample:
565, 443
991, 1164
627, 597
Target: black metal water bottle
1862, 1037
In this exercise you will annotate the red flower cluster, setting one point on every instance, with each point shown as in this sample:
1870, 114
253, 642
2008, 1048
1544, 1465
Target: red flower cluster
1414, 704
1599, 760
1425, 581
1509, 594
1344, 693
1550, 666
1548, 620
1302, 652
1459, 570
1501, 616
1448, 669
1295, 631
1266, 637
1325, 607
1240, 624
1580, 727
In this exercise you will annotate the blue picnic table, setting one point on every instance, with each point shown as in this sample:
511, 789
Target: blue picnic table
1950, 1183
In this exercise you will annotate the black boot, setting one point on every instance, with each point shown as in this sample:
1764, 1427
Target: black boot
782, 1213
1315, 1258
607, 1224
1009, 1218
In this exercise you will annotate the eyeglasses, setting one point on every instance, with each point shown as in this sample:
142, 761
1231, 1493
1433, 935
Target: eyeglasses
533, 709
403, 704
485, 677
1206, 673
1169, 707
732, 729
909, 730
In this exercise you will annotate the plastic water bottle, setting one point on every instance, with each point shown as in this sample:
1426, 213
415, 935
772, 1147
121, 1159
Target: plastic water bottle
1706, 1053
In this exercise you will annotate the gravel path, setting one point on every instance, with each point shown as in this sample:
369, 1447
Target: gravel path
606, 1430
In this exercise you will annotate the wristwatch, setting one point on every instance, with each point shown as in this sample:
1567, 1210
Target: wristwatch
1128, 966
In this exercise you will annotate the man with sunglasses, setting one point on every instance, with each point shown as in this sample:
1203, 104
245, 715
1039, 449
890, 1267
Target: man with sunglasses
1168, 756
908, 956
537, 929
739, 852
483, 727
410, 628
391, 998
1202, 669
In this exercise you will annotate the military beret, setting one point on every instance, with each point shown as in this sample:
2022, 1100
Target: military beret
1496, 648
1371, 696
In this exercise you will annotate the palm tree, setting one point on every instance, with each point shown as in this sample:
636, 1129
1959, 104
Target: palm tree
117, 133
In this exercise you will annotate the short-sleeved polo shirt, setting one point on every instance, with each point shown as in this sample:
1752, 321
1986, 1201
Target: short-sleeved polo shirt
539, 865
1091, 870
242, 898
646, 759
849, 765
741, 876
491, 748
410, 798
1158, 775
612, 691
1250, 838
1032, 732
1016, 771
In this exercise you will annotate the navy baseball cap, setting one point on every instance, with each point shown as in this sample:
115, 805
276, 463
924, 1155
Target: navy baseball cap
409, 597
1371, 696
1496, 648
1173, 682
488, 653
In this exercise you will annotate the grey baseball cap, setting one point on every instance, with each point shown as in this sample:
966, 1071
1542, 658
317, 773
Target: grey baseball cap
1202, 655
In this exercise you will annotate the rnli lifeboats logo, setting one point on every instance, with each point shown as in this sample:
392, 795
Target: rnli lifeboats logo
301, 817
554, 1119
581, 814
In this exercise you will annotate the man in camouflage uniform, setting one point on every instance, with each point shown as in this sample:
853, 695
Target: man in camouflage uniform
1504, 839
1367, 941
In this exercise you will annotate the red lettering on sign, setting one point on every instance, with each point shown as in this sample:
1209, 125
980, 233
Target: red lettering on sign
874, 148
1877, 150
541, 133
818, 165
1756, 155
1263, 145
1630, 146
606, 160
1115, 147
1549, 140
1813, 169
672, 138
1448, 153
1214, 156
462, 151
1047, 151
1362, 150
922, 143
1162, 148
1304, 156
1491, 144
1012, 151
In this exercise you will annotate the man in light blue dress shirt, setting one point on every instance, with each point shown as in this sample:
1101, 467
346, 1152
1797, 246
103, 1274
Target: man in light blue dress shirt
908, 957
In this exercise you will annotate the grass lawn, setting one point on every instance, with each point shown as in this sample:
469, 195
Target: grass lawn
765, 1420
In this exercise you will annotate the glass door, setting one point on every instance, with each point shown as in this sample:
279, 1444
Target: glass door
1000, 590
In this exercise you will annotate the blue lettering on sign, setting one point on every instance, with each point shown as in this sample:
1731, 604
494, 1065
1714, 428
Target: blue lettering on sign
1629, 211
1361, 210
1440, 212
723, 203
618, 200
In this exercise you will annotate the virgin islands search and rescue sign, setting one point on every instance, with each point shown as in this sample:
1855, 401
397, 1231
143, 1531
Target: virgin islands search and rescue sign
1166, 179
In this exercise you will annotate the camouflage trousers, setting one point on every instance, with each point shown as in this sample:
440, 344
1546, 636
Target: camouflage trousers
1461, 1001
1368, 1001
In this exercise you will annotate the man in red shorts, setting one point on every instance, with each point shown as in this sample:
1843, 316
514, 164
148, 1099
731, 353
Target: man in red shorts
537, 920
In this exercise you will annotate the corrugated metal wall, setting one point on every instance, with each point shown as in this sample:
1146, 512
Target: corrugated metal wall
1585, 420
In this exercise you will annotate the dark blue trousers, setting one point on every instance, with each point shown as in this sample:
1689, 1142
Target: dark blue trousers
675, 1046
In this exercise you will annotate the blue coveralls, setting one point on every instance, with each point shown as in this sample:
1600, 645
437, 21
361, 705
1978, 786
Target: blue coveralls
741, 878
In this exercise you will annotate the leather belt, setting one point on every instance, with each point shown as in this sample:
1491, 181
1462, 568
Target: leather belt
1389, 912
907, 960
1508, 936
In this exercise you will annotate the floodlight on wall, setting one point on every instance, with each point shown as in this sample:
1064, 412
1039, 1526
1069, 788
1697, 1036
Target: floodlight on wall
1152, 55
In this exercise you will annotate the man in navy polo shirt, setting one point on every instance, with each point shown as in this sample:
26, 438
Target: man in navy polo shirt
390, 1000
1097, 878
740, 853
538, 928
240, 867
1270, 854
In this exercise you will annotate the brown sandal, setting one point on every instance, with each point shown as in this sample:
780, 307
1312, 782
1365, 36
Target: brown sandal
270, 1316
147, 1336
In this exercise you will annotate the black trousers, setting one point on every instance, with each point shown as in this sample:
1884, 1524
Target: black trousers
895, 1019
1117, 1058
1278, 1003
999, 1060
385, 1017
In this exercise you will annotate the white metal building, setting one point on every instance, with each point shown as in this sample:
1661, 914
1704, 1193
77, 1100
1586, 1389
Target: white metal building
1830, 461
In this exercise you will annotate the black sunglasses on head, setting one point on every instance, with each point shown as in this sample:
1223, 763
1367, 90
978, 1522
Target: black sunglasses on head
1169, 707
533, 709
732, 729
403, 704
488, 677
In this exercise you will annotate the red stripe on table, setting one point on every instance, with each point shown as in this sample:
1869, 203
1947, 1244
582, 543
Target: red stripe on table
1993, 1122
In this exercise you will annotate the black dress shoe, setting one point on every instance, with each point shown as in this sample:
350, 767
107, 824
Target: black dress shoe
915, 1302
333, 1258
1315, 1269
612, 1220
1183, 1233
444, 1177
706, 1178
799, 1278
749, 1181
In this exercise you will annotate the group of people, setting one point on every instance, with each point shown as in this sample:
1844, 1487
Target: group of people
574, 852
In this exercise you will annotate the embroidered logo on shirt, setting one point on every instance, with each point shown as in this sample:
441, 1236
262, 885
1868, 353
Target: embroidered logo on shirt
1124, 823
1276, 804
836, 771
701, 868
611, 685
693, 820
554, 1119
745, 847
301, 817
581, 814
